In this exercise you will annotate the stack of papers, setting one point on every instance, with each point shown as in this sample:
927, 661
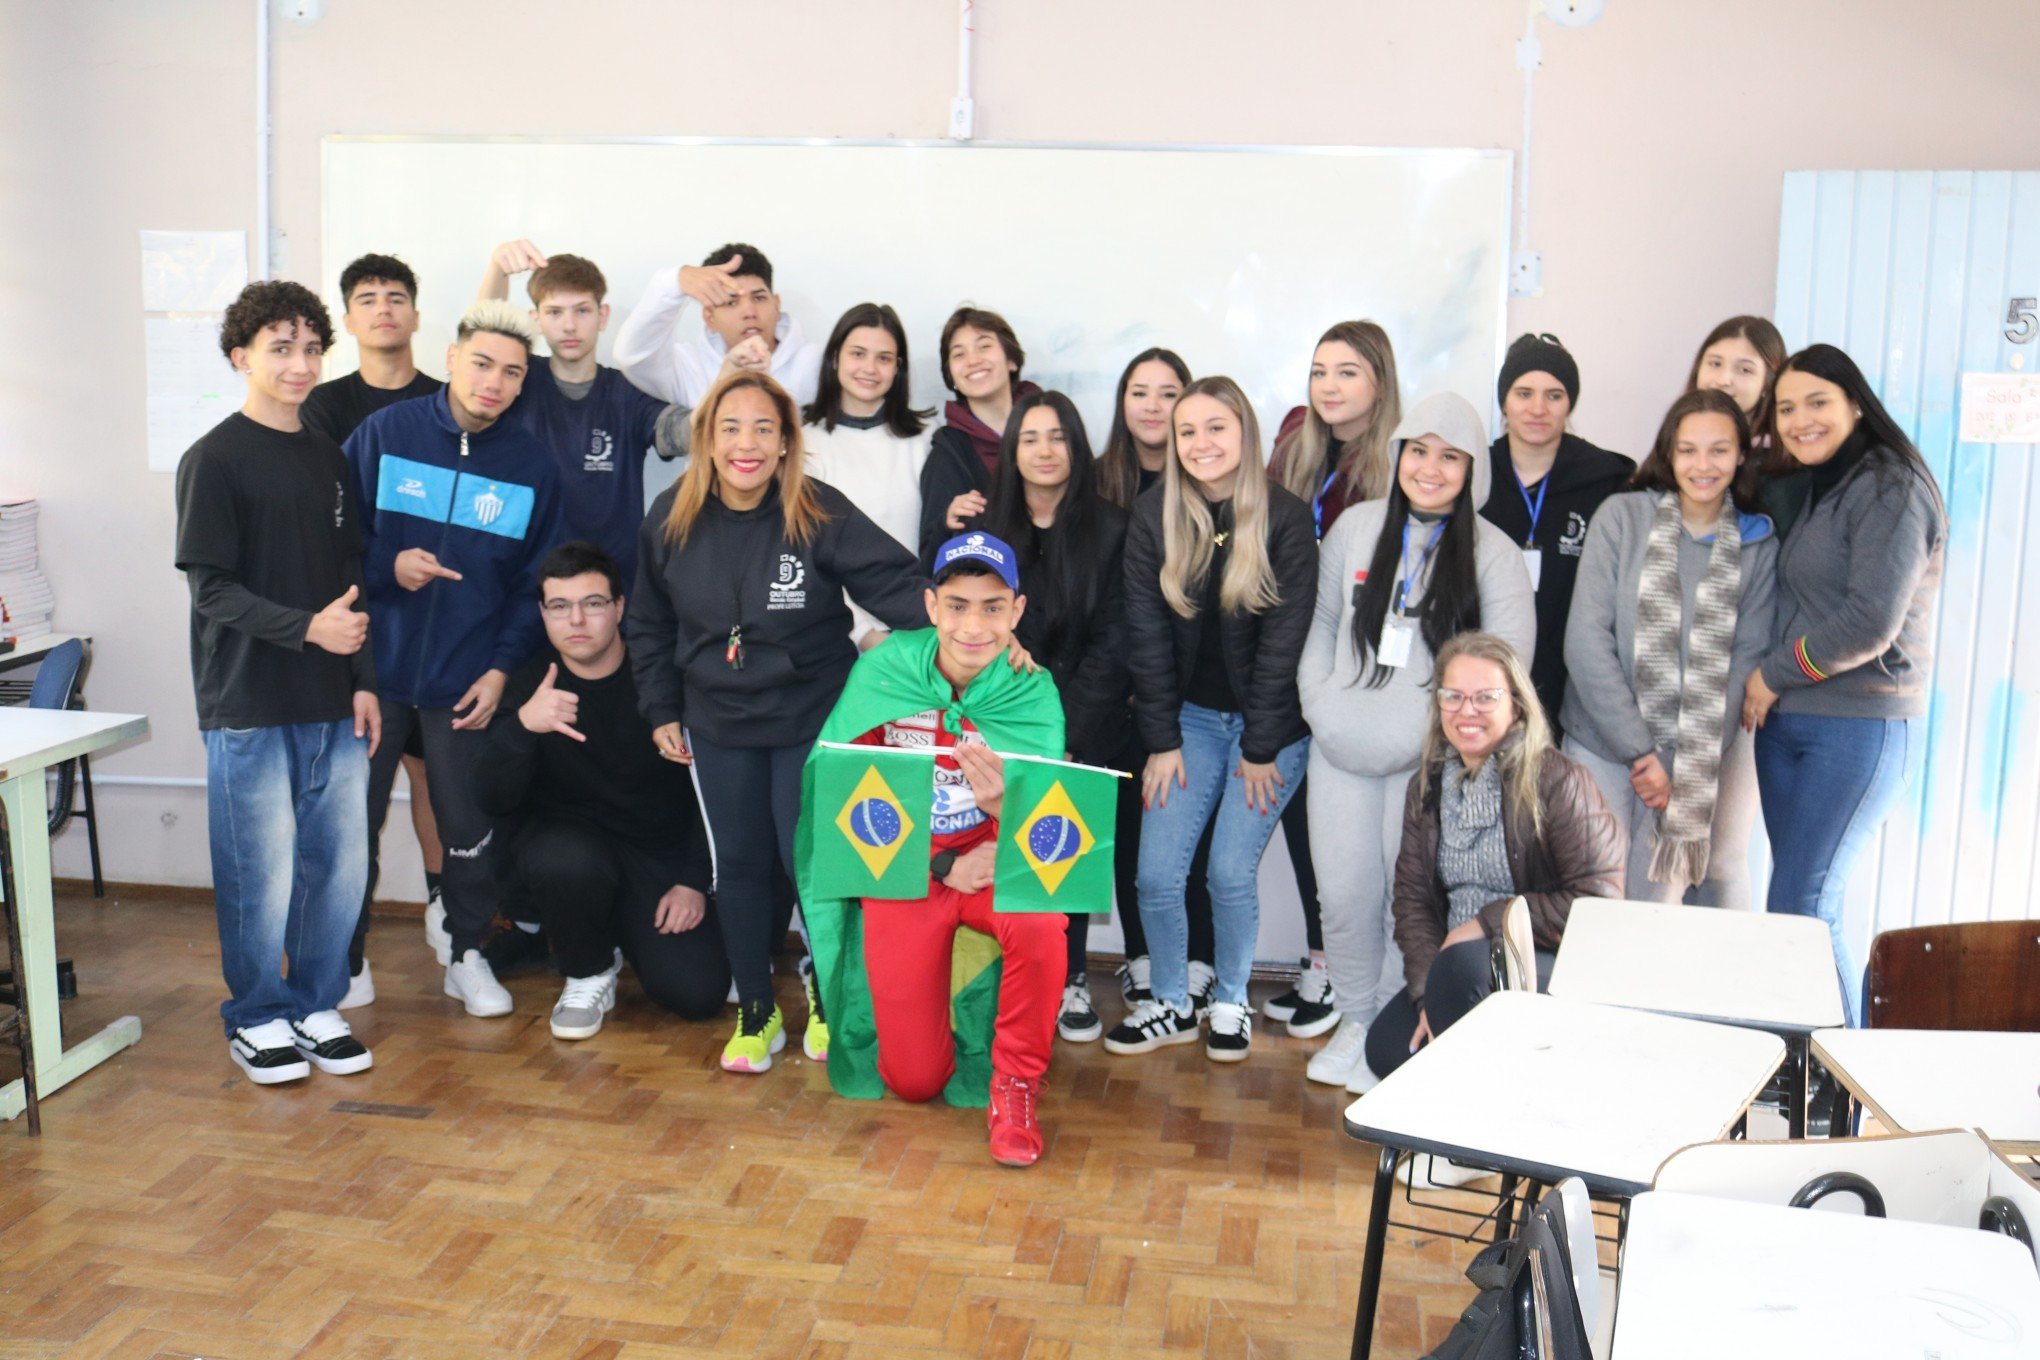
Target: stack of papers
26, 602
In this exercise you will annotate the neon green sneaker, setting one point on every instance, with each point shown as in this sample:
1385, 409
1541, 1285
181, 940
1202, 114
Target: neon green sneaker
814, 1040
760, 1034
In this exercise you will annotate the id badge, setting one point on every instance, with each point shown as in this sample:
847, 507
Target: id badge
1533, 562
1397, 636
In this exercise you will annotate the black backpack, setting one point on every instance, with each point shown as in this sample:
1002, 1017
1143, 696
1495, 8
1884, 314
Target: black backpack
1527, 1305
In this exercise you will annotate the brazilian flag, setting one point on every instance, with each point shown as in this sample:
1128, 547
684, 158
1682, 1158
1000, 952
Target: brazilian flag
1014, 712
1056, 842
880, 844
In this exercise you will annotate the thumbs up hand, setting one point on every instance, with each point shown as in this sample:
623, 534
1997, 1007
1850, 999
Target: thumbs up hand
339, 628
551, 710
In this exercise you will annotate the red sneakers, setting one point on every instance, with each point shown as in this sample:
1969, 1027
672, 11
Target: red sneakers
1015, 1132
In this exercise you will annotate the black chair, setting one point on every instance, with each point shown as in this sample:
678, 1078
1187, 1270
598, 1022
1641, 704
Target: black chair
59, 680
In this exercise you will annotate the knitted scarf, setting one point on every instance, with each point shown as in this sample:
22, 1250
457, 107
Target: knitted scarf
1685, 716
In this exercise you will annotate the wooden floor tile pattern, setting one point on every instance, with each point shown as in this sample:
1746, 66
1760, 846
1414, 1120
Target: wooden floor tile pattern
489, 1191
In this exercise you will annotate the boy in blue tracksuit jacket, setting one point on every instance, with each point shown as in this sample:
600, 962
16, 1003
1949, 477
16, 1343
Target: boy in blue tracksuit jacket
459, 507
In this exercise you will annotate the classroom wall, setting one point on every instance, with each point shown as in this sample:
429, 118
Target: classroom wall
1661, 136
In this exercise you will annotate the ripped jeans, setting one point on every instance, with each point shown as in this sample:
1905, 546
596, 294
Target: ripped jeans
468, 879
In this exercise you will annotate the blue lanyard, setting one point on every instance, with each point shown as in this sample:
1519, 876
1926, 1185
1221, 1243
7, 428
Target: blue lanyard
1536, 507
1402, 587
1317, 504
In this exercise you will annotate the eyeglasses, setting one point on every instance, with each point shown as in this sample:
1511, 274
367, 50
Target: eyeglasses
592, 606
1483, 700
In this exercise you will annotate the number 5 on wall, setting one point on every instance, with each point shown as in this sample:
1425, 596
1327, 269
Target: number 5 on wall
2021, 325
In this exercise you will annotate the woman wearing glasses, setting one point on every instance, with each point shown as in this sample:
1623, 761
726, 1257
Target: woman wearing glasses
1398, 577
1495, 812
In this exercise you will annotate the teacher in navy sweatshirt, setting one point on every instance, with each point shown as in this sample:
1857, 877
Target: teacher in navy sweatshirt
459, 507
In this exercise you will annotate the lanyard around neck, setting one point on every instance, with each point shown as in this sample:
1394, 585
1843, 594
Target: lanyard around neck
1402, 586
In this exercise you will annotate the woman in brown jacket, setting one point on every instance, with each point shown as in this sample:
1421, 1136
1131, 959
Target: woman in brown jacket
1495, 812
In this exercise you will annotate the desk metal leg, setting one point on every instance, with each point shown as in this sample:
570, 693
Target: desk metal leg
1377, 1245
1799, 1076
1505, 1210
22, 1027
23, 800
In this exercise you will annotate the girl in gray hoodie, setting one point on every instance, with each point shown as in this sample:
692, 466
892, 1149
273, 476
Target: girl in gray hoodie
1672, 610
1397, 578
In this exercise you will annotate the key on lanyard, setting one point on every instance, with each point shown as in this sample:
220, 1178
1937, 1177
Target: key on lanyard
734, 651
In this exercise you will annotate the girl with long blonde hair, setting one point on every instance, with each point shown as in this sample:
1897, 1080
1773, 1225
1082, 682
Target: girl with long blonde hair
1221, 565
739, 642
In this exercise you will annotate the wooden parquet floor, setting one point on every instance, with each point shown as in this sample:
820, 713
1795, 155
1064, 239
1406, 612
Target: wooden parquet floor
489, 1191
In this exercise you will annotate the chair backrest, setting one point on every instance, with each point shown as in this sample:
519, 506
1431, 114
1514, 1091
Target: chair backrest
1976, 975
1519, 948
1584, 1253
56, 675
1943, 1178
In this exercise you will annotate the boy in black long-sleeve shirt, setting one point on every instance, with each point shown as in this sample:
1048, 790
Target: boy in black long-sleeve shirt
605, 835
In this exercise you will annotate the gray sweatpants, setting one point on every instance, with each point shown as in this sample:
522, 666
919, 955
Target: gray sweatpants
1735, 814
1355, 834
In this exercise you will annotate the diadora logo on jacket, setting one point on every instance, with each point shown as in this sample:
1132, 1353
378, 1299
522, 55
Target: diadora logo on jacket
443, 496
786, 590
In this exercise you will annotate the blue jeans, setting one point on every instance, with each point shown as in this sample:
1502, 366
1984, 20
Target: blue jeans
1168, 839
288, 808
1827, 785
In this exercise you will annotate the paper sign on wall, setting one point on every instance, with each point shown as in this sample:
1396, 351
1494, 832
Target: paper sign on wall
193, 271
191, 388
2000, 408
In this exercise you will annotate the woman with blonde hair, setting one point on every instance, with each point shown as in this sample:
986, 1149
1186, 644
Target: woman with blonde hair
739, 642
1221, 567
1495, 812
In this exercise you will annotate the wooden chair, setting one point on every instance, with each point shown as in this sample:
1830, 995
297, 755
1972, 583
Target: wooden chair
1976, 975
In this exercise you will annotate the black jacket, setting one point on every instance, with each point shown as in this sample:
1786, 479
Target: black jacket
1261, 650
738, 571
1087, 657
1580, 479
954, 466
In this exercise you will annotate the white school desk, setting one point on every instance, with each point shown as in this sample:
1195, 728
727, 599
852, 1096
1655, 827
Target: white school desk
1919, 1079
32, 740
1542, 1088
1704, 1278
1770, 972
34, 649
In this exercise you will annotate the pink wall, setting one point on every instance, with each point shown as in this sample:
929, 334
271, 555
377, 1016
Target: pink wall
1662, 133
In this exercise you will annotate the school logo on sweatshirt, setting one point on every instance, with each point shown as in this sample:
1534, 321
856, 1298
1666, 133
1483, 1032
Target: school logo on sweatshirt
786, 590
601, 455
1574, 540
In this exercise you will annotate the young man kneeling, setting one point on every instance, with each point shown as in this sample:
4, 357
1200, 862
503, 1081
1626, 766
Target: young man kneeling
604, 835
952, 689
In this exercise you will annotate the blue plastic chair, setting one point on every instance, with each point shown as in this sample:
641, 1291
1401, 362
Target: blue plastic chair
57, 680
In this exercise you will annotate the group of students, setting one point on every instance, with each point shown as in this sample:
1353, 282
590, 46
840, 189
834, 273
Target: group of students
1454, 671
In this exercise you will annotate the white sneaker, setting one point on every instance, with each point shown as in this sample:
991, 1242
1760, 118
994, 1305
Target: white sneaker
360, 990
268, 1053
1203, 986
436, 933
472, 982
1363, 1079
1333, 1064
582, 1004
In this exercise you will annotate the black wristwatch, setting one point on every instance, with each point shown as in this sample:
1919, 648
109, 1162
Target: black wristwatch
940, 863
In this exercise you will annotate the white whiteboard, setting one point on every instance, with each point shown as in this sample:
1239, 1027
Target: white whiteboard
1237, 259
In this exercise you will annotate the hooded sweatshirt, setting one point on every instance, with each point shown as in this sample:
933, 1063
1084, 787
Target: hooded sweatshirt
881, 474
961, 457
1602, 711
488, 506
1581, 478
739, 591
673, 363
599, 435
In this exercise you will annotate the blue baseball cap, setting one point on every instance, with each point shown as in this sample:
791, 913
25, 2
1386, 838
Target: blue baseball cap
979, 547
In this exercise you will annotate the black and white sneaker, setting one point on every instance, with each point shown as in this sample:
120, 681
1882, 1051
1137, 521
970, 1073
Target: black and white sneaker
1133, 981
1078, 1023
268, 1054
1232, 1033
325, 1038
1203, 986
1154, 1024
1282, 1007
1317, 1009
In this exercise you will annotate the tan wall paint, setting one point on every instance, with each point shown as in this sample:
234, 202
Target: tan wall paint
1662, 133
